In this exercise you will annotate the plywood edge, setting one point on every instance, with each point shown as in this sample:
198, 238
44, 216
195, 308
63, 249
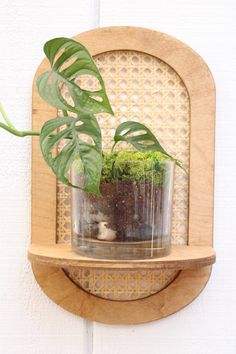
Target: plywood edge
43, 188
181, 257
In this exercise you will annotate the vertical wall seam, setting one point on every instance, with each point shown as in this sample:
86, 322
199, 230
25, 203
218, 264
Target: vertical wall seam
87, 337
96, 13
88, 326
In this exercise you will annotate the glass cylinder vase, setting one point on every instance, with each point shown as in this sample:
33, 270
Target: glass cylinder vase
132, 217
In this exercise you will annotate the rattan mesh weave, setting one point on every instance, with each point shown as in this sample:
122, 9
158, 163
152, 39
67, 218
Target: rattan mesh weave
145, 89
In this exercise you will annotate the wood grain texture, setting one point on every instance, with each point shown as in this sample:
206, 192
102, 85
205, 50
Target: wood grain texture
200, 86
66, 294
181, 257
43, 209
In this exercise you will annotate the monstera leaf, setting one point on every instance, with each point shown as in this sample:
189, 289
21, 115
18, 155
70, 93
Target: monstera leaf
73, 133
70, 59
141, 138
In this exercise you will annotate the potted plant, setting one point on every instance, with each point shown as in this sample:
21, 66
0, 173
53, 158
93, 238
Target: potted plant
122, 199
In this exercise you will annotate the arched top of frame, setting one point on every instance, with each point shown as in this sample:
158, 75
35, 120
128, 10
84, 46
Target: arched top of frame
201, 90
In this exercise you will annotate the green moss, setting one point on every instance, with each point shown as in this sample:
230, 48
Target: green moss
130, 165
133, 165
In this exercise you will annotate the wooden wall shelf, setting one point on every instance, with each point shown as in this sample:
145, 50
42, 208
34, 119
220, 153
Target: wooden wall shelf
188, 266
181, 257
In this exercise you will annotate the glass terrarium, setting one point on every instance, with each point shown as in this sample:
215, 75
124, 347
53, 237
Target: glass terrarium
131, 219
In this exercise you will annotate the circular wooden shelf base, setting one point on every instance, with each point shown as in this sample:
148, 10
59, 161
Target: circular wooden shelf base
181, 257
182, 291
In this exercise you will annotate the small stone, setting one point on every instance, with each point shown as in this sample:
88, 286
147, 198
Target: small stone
105, 233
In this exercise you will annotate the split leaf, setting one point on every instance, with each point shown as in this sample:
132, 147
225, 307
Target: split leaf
69, 60
141, 138
72, 132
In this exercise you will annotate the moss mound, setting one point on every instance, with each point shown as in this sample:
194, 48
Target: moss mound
133, 165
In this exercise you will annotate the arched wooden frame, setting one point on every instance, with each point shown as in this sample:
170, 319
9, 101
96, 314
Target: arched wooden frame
200, 86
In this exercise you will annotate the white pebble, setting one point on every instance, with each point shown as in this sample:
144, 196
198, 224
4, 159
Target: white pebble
105, 233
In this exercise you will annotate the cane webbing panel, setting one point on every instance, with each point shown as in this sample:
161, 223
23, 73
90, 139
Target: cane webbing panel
121, 284
145, 89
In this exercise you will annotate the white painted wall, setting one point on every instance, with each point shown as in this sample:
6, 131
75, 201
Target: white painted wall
29, 322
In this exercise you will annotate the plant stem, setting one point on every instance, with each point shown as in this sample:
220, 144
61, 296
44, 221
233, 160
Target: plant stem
16, 132
113, 146
5, 117
10, 127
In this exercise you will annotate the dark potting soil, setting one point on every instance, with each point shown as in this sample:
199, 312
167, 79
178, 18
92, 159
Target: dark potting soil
133, 210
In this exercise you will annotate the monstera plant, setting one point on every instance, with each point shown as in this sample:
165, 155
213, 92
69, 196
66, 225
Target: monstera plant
125, 195
69, 59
